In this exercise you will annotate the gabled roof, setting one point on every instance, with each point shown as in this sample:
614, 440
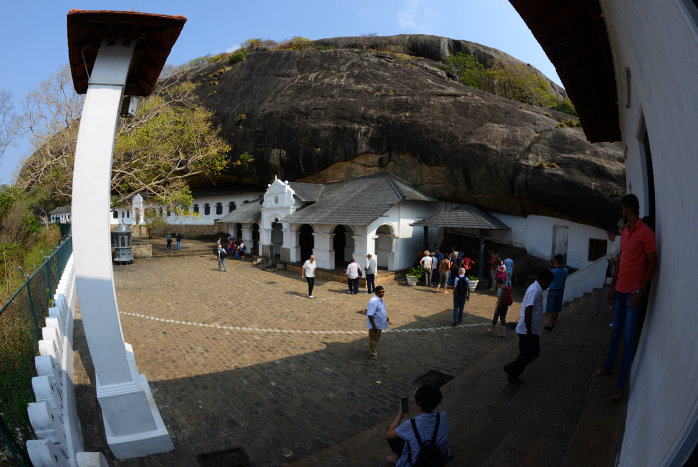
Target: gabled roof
306, 191
245, 213
61, 210
357, 201
464, 216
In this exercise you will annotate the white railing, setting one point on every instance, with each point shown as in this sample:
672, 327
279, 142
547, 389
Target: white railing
585, 280
54, 416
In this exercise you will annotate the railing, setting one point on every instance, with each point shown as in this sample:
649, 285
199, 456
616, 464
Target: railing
590, 277
21, 321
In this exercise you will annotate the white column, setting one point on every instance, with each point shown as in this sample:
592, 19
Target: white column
322, 249
133, 424
291, 233
360, 249
247, 237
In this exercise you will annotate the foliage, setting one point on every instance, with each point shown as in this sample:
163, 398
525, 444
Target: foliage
237, 56
197, 62
215, 58
518, 82
565, 106
301, 43
171, 139
245, 159
240, 118
417, 272
153, 220
325, 47
473, 278
251, 44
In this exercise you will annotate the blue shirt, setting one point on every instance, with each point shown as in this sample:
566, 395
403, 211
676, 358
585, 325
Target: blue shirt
509, 263
560, 278
376, 308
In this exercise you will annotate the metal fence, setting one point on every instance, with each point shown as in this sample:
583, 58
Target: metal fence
21, 320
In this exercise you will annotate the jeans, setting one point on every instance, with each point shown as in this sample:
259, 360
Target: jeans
371, 282
508, 282
451, 278
311, 284
353, 285
427, 277
624, 323
221, 261
179, 245
458, 305
528, 351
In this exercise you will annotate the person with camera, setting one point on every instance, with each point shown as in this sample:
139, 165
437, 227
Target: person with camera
422, 440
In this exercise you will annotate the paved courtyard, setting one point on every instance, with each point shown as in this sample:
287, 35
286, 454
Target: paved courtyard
243, 358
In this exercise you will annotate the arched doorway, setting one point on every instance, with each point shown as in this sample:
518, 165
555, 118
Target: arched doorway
277, 237
238, 232
255, 238
343, 245
384, 246
306, 242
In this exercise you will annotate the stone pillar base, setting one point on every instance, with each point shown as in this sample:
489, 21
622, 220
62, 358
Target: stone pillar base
140, 430
267, 251
286, 254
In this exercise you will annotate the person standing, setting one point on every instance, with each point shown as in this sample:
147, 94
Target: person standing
376, 320
492, 261
461, 293
468, 265
556, 292
221, 258
169, 240
529, 326
241, 249
308, 273
370, 269
509, 264
630, 284
179, 241
426, 263
353, 277
501, 309
444, 268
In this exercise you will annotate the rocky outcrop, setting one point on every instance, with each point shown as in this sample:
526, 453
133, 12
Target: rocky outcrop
318, 115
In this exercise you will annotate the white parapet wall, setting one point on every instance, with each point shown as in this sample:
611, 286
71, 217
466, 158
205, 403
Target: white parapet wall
53, 416
585, 280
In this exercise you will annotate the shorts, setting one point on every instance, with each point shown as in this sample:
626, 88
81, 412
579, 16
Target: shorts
443, 278
554, 304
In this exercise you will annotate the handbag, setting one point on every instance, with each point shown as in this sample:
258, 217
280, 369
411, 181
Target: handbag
360, 272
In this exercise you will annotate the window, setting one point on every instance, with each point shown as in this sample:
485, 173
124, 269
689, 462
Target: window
231, 206
128, 214
207, 209
123, 214
115, 214
276, 200
219, 208
597, 248
196, 208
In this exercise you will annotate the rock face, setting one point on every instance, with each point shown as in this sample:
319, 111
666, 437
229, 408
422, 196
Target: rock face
317, 115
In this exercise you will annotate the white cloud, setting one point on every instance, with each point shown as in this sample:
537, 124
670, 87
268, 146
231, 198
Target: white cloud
408, 15
233, 48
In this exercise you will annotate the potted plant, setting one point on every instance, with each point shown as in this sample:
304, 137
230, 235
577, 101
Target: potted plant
474, 281
414, 275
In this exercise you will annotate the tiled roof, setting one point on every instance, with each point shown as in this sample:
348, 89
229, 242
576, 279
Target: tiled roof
306, 191
61, 210
357, 201
464, 216
245, 213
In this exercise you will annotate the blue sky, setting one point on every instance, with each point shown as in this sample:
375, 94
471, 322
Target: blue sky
35, 43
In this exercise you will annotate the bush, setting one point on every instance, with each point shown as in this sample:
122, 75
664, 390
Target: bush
325, 47
301, 43
565, 106
417, 272
237, 56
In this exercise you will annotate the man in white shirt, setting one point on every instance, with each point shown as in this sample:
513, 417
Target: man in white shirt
353, 277
427, 264
370, 273
530, 326
308, 273
376, 320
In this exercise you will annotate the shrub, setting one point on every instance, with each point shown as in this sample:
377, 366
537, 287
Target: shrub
245, 160
241, 118
215, 58
237, 56
325, 47
561, 125
417, 272
542, 165
565, 106
301, 43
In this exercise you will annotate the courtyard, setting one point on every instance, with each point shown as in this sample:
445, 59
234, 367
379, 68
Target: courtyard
244, 358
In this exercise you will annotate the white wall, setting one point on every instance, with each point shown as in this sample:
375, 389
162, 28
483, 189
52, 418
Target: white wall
535, 234
658, 42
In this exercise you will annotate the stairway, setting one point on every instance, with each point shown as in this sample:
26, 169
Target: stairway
559, 415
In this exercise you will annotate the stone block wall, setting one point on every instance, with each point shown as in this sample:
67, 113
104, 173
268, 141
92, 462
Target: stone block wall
142, 250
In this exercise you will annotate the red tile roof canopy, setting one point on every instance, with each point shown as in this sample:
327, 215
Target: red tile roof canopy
573, 35
155, 35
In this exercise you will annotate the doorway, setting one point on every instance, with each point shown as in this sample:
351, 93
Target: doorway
559, 241
306, 241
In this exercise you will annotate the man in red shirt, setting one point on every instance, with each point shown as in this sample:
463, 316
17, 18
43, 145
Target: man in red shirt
637, 266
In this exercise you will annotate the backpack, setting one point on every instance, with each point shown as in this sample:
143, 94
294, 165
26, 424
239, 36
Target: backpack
222, 253
507, 298
429, 454
461, 287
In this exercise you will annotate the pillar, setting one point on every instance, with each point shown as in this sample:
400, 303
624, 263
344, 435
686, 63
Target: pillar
247, 237
322, 249
132, 422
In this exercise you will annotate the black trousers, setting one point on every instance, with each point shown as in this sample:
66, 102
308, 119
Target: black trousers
529, 349
311, 284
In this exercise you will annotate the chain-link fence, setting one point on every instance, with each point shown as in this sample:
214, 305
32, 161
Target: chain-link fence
21, 320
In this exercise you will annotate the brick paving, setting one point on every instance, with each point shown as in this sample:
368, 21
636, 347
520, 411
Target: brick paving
243, 358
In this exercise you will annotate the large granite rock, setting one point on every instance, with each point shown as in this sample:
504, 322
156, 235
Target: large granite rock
324, 115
